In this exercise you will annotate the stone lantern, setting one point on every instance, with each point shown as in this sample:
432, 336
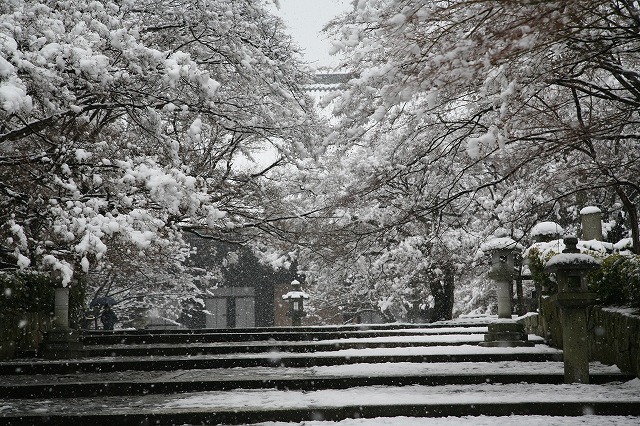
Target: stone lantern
296, 298
505, 332
502, 270
571, 268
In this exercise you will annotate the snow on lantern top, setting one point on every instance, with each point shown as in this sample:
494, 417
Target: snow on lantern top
546, 229
571, 268
296, 293
571, 261
590, 210
501, 243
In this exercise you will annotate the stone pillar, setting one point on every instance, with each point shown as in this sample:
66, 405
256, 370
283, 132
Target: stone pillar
591, 223
61, 312
575, 343
571, 268
503, 290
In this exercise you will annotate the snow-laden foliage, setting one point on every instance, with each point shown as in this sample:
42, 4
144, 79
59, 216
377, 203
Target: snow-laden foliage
519, 85
466, 118
123, 122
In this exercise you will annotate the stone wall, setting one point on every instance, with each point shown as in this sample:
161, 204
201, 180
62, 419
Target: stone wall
22, 332
546, 324
614, 337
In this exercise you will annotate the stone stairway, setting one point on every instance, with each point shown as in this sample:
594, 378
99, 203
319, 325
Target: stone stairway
308, 373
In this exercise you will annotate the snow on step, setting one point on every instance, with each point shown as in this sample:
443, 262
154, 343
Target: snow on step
474, 421
426, 338
400, 369
419, 350
381, 396
415, 394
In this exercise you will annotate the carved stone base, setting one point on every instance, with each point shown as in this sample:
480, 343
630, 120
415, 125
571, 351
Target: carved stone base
61, 344
506, 334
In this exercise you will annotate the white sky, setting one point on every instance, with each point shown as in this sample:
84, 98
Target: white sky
305, 19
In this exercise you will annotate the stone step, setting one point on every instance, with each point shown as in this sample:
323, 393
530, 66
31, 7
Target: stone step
281, 359
185, 341
251, 406
380, 416
56, 389
269, 346
243, 348
212, 336
404, 327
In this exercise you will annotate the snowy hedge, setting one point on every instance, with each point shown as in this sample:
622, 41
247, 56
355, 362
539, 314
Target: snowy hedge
34, 292
617, 282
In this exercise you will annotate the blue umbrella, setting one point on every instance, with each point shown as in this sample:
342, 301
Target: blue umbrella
103, 300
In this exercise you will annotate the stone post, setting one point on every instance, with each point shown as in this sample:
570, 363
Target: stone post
591, 223
571, 268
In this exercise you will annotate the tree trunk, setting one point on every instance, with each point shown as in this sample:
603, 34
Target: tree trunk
632, 211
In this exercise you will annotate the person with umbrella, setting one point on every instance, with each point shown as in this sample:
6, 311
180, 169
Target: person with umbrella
108, 318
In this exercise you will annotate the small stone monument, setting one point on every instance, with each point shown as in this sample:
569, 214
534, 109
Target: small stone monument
571, 268
505, 332
591, 223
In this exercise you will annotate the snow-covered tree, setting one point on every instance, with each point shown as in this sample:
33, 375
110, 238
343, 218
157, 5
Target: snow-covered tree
515, 84
124, 122
479, 115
